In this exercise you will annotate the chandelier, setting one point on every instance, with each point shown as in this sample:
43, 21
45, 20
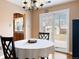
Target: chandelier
33, 4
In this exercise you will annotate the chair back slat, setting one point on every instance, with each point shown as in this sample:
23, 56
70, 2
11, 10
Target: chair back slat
43, 35
8, 47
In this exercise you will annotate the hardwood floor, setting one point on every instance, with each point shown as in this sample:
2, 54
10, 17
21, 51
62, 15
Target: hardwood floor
69, 56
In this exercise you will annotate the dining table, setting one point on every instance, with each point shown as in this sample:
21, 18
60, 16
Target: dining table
41, 48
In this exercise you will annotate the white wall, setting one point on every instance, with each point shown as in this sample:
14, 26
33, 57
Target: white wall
6, 17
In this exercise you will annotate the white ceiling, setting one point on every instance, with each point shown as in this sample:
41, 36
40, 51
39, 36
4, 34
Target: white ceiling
53, 2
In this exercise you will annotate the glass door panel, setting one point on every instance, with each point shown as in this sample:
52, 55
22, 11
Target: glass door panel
57, 24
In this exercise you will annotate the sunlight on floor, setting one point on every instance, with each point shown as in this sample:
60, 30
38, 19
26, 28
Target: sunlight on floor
1, 57
58, 56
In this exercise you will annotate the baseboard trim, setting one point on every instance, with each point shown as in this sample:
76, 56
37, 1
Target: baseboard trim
62, 52
69, 53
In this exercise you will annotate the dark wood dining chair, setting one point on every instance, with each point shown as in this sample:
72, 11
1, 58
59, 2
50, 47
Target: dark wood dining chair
43, 35
8, 48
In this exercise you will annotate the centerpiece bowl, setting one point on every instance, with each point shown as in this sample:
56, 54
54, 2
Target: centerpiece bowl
32, 41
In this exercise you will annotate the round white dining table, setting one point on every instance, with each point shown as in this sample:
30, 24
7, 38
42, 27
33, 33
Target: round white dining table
42, 48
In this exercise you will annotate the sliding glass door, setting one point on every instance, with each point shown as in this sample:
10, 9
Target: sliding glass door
57, 24
61, 30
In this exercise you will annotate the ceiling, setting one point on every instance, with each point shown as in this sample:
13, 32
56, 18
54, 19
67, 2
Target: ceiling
53, 2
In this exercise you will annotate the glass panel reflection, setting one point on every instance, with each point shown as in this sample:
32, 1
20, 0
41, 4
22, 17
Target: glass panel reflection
19, 24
